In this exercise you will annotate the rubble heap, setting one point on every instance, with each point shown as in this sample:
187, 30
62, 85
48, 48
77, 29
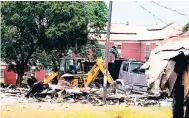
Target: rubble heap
64, 92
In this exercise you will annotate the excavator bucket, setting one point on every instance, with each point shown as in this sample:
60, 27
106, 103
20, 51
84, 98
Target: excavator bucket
40, 86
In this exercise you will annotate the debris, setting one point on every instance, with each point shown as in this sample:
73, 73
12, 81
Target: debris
60, 94
71, 100
167, 102
99, 104
11, 86
2, 85
65, 84
84, 101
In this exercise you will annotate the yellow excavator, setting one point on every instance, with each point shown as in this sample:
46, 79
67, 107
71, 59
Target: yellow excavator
87, 79
80, 82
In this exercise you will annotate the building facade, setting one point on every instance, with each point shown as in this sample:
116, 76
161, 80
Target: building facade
137, 41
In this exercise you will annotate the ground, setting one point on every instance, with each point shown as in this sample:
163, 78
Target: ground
76, 110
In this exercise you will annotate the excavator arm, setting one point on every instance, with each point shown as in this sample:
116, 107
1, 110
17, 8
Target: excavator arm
93, 73
50, 78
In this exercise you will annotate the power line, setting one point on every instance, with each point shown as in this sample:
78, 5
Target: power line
156, 16
170, 9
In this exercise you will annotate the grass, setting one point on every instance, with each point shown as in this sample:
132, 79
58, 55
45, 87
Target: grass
85, 111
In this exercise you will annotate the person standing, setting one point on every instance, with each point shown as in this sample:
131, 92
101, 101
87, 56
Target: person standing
75, 67
31, 80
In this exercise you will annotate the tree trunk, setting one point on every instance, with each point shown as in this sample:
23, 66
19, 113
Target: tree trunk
19, 79
20, 76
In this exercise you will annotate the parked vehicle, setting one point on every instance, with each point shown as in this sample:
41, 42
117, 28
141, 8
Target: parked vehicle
131, 77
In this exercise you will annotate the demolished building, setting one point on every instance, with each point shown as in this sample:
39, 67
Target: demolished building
161, 55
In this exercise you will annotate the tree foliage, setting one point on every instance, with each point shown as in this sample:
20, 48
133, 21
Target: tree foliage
95, 26
32, 28
97, 51
186, 28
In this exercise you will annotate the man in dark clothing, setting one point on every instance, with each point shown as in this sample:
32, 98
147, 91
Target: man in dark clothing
114, 51
31, 81
36, 88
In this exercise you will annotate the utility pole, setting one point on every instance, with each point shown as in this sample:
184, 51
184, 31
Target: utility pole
107, 52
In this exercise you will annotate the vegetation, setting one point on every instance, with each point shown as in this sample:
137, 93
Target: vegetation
97, 51
186, 28
33, 30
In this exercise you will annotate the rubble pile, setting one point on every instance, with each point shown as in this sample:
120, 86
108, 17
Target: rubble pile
65, 84
65, 92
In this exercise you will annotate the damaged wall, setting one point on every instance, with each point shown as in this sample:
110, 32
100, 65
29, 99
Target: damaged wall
160, 55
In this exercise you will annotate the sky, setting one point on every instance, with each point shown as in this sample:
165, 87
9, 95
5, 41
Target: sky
131, 12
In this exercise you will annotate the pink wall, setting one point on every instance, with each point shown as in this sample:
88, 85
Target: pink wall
9, 77
143, 52
131, 50
152, 46
135, 49
40, 75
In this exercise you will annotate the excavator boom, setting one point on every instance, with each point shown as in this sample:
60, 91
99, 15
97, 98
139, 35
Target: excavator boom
93, 73
50, 77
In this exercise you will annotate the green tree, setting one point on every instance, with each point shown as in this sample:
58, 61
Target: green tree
95, 27
186, 28
30, 28
92, 45
97, 51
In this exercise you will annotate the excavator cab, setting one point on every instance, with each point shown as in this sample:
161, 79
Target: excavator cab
71, 65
